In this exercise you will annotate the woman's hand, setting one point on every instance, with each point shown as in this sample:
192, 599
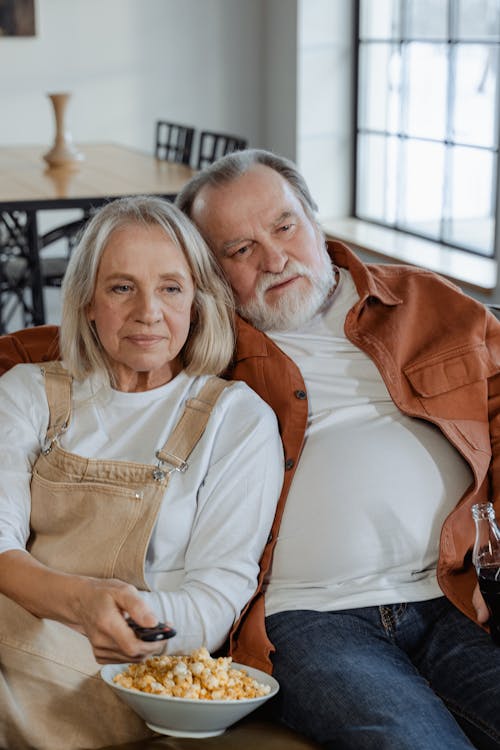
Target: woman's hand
100, 609
95, 607
482, 612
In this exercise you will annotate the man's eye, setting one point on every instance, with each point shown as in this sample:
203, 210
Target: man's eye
241, 250
285, 227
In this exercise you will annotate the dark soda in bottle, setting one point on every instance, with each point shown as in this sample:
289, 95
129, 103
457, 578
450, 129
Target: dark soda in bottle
489, 583
486, 559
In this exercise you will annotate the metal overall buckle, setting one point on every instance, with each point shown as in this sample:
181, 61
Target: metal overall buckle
161, 472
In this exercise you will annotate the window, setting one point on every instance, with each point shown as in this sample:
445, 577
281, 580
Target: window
428, 119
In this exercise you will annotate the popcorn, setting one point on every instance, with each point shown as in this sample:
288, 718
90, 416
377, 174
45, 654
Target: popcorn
198, 676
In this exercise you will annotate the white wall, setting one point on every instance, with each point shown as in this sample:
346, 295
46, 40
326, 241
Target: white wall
325, 102
280, 77
130, 62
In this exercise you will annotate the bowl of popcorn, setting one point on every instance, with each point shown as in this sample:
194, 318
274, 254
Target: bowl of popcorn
190, 696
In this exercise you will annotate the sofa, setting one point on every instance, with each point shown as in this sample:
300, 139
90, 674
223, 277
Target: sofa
259, 731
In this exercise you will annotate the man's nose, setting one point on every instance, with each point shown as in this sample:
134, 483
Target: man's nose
273, 258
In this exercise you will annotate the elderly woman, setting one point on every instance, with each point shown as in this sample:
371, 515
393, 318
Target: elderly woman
133, 483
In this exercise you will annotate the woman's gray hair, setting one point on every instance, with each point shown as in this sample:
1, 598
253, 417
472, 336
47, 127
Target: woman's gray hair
230, 167
210, 344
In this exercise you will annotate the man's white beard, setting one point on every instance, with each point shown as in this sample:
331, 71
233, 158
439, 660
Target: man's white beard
295, 307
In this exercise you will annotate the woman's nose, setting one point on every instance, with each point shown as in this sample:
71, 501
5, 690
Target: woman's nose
148, 309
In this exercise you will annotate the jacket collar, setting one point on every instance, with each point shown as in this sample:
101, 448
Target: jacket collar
250, 341
367, 284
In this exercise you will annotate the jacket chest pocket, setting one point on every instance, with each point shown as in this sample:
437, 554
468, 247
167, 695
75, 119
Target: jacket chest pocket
453, 386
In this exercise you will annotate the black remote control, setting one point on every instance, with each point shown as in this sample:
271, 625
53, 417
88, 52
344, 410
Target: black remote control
159, 632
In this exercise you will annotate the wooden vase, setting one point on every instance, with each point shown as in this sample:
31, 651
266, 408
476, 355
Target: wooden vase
63, 151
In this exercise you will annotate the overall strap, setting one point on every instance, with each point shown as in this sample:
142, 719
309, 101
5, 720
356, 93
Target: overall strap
58, 390
191, 425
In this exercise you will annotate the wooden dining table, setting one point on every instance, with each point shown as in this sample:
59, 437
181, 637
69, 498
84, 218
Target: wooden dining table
28, 186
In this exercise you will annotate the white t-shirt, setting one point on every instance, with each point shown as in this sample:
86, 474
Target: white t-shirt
203, 559
362, 521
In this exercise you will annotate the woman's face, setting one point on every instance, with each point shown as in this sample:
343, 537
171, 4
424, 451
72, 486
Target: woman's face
142, 305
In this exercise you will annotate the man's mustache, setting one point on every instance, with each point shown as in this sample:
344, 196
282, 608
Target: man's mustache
292, 270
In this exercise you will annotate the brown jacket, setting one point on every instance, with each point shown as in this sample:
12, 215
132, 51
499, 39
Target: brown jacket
438, 352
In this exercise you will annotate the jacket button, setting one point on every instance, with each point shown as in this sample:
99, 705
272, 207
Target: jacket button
301, 394
289, 463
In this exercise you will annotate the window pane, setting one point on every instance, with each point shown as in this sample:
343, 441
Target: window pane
427, 78
422, 187
472, 191
376, 178
379, 20
428, 118
475, 116
379, 82
427, 19
478, 19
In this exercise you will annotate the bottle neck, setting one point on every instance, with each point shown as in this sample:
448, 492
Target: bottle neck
486, 550
483, 512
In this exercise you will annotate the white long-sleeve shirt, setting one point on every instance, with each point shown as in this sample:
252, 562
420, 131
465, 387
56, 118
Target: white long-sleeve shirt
203, 558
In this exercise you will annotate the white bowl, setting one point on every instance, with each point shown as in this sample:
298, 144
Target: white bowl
187, 717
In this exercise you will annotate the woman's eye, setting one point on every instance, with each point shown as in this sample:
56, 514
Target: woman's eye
172, 289
285, 227
121, 288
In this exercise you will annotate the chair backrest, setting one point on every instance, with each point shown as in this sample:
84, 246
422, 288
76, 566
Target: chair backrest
214, 145
17, 276
173, 142
54, 261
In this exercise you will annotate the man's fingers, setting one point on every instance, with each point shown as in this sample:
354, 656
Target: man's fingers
482, 612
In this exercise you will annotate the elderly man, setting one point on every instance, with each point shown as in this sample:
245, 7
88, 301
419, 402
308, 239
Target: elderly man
385, 382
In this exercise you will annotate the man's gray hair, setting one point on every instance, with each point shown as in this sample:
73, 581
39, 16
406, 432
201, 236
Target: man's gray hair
210, 343
230, 167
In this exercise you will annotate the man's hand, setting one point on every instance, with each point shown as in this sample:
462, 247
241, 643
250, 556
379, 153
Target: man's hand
482, 611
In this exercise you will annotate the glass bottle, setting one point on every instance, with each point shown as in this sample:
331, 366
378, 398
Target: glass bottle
486, 560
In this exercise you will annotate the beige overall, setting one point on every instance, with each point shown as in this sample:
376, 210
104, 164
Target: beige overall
93, 518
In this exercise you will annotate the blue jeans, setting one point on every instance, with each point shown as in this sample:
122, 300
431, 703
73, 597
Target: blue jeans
417, 676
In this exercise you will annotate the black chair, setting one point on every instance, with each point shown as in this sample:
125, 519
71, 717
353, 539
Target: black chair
214, 145
53, 265
14, 292
16, 277
18, 282
173, 142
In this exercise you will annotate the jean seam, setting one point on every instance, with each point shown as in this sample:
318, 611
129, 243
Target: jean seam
386, 619
401, 610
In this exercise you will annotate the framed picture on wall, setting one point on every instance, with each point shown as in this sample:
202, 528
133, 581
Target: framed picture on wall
17, 18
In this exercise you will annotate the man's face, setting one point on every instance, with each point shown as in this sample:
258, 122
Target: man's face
272, 253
